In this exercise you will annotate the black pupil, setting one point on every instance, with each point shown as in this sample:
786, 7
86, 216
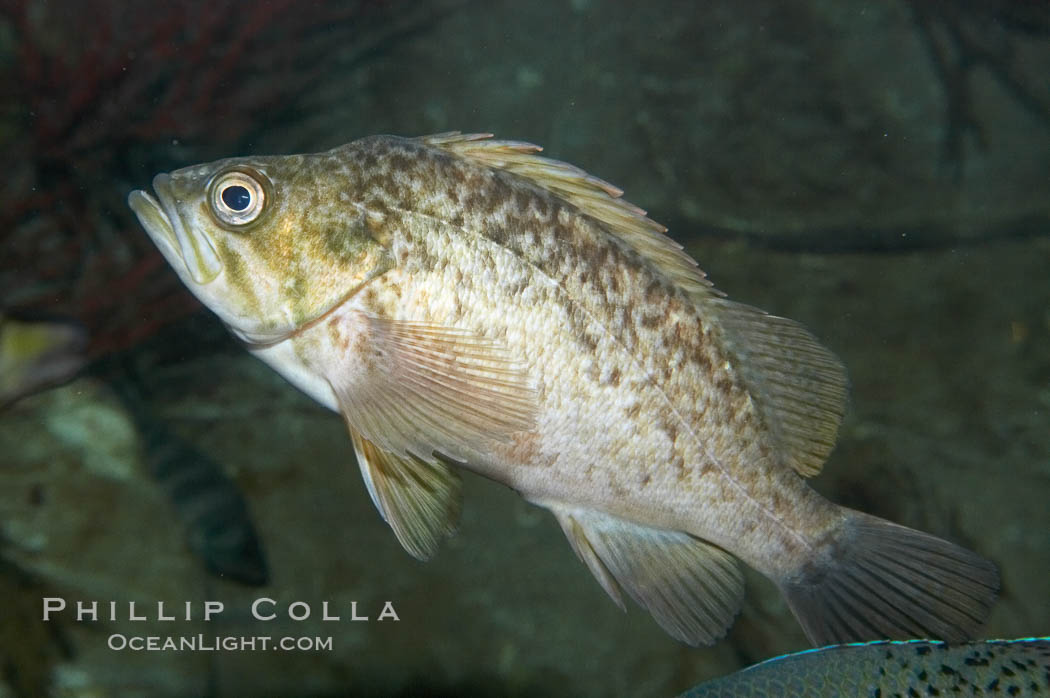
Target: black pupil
237, 197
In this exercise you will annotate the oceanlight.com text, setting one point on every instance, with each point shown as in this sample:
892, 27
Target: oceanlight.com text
212, 643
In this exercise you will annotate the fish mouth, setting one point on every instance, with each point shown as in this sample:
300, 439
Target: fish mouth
185, 249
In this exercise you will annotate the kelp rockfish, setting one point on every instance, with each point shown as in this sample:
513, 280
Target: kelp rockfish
466, 303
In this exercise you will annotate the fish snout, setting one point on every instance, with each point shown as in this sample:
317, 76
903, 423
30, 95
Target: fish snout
197, 250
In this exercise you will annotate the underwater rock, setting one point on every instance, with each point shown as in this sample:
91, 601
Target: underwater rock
813, 125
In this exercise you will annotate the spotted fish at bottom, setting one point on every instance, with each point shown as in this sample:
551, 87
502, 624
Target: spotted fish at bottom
894, 670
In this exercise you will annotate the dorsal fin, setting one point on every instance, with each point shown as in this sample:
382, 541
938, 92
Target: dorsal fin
594, 197
799, 386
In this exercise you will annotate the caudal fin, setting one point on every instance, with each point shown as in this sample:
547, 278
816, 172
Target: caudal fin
878, 580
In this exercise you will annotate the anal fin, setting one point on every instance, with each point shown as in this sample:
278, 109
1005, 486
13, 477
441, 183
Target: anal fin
420, 500
692, 589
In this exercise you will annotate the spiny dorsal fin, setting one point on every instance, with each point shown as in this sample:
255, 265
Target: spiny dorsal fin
798, 385
592, 196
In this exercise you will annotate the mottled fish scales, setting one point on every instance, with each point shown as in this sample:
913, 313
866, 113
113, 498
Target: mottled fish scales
466, 303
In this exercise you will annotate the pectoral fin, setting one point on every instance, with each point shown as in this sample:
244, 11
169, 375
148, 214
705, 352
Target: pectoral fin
420, 500
419, 389
692, 588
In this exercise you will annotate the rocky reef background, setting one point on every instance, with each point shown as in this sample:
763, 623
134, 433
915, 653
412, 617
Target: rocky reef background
877, 171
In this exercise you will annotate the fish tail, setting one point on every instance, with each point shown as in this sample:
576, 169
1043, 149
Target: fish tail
874, 579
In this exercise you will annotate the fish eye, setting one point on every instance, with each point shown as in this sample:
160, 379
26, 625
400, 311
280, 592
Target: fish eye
238, 196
